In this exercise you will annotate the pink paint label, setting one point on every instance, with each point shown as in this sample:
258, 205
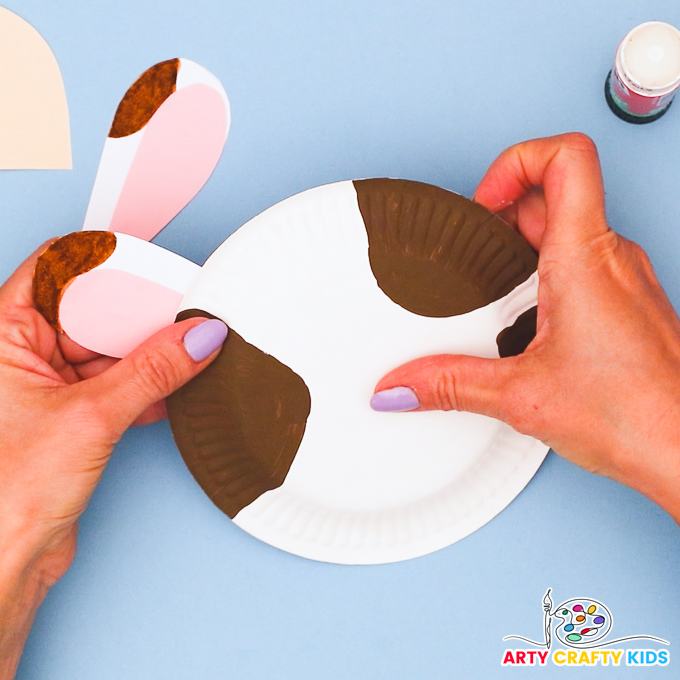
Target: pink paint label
634, 103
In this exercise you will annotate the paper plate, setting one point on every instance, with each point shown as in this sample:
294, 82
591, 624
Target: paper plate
324, 293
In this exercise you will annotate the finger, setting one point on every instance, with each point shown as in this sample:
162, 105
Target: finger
18, 289
153, 414
531, 216
73, 352
527, 215
154, 370
91, 369
446, 382
568, 169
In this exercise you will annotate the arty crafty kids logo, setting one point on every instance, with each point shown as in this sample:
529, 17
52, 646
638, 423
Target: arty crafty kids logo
582, 625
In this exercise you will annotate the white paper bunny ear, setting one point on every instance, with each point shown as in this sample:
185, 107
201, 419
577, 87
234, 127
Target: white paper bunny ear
109, 292
166, 138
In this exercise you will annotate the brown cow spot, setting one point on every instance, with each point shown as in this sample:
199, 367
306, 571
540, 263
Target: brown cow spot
239, 423
514, 339
436, 253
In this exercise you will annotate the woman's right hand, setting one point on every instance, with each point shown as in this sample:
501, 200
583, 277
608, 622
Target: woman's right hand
600, 383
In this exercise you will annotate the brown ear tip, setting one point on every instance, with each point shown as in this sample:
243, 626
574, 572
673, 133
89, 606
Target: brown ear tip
61, 262
144, 97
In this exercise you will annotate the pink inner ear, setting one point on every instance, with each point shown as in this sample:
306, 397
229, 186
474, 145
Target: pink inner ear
111, 311
179, 150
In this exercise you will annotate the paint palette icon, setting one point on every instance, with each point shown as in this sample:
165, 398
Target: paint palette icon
323, 294
582, 622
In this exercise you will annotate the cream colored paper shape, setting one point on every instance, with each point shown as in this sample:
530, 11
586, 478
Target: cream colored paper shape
34, 124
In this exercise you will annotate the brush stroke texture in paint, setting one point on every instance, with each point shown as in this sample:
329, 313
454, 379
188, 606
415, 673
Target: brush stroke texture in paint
64, 260
144, 97
239, 423
436, 253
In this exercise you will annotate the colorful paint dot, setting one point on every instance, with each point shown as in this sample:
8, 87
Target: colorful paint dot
578, 608
580, 619
569, 627
584, 631
598, 620
574, 637
592, 609
565, 612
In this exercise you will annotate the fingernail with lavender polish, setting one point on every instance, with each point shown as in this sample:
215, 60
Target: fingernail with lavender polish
396, 399
202, 340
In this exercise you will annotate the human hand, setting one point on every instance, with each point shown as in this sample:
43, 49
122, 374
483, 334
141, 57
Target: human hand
600, 383
62, 410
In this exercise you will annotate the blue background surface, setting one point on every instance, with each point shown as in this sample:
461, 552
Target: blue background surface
164, 586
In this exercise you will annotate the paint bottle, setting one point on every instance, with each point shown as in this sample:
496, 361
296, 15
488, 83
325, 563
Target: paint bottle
641, 86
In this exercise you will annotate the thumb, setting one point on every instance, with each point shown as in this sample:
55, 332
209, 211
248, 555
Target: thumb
158, 367
446, 382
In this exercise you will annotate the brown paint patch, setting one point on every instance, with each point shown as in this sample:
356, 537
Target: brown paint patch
436, 253
514, 339
239, 423
68, 257
144, 97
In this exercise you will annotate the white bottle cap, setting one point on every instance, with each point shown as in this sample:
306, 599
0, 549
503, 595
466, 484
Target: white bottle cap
648, 59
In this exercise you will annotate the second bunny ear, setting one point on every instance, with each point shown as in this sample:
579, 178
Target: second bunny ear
109, 292
166, 138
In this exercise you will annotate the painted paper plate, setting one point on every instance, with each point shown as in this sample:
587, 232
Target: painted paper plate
324, 293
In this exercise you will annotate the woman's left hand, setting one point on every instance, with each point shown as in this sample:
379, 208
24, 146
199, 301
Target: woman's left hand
62, 410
